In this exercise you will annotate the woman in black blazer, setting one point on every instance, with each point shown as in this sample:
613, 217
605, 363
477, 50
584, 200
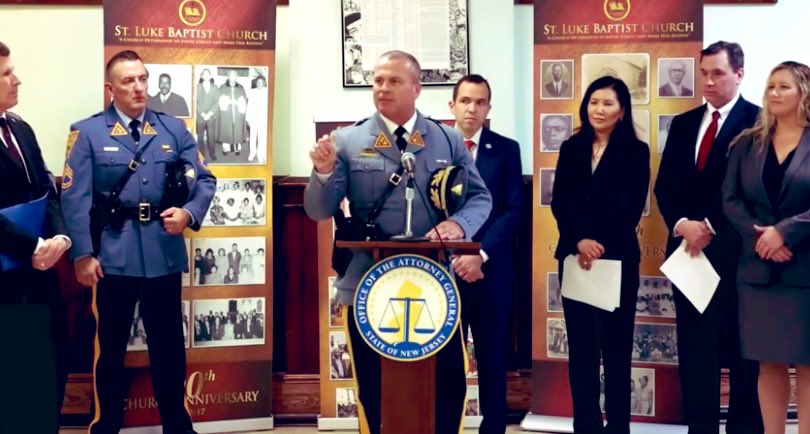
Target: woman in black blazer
766, 197
602, 181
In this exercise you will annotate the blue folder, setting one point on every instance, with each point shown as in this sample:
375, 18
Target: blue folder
29, 217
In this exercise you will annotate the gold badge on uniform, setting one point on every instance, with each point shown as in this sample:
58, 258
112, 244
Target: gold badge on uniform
119, 130
67, 177
148, 130
416, 139
71, 140
382, 141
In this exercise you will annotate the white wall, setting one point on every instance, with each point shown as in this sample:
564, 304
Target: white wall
59, 55
768, 34
316, 64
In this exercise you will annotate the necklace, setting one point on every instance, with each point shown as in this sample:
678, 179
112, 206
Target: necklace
596, 155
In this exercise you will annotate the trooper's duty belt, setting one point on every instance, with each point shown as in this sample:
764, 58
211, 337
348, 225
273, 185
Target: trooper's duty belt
144, 212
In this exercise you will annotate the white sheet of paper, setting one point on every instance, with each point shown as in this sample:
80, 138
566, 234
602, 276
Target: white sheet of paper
694, 277
600, 286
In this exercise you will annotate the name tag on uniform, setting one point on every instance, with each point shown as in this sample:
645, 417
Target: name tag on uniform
111, 148
368, 152
166, 148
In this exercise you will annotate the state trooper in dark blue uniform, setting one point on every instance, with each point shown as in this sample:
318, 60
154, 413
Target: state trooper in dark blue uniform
140, 257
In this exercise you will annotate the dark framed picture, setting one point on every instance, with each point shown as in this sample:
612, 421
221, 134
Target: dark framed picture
441, 45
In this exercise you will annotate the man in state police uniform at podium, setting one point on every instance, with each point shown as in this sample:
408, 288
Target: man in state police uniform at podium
357, 166
140, 252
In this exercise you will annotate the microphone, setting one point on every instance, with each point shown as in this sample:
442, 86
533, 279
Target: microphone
408, 161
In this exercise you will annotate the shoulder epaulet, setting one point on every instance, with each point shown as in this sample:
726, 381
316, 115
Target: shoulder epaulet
360, 122
435, 121
98, 114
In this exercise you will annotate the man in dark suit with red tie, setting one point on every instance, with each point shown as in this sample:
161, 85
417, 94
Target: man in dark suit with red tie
24, 178
688, 191
485, 280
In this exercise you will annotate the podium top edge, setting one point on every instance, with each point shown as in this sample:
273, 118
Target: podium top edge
461, 247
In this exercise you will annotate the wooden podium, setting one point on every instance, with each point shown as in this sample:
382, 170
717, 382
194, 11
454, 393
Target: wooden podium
408, 389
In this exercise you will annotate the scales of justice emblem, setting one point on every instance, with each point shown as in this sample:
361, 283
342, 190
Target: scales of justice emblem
407, 307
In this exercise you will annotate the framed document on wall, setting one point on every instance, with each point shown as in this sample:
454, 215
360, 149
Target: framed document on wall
434, 31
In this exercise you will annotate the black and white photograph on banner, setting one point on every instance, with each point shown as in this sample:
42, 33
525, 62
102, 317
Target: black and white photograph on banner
234, 129
655, 297
170, 89
229, 261
676, 77
186, 276
664, 122
632, 68
655, 343
557, 79
641, 123
554, 292
335, 313
340, 361
229, 322
556, 338
555, 128
546, 186
138, 340
472, 363
472, 406
238, 202
642, 391
346, 402
370, 29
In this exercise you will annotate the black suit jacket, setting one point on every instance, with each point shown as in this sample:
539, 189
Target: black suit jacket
498, 162
553, 92
16, 189
683, 192
605, 205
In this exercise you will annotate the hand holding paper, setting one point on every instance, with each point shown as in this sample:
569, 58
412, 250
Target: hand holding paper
694, 276
600, 286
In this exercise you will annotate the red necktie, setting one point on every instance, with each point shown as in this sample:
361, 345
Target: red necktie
12, 149
706, 142
469, 144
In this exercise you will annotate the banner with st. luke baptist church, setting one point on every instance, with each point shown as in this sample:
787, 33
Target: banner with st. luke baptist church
653, 46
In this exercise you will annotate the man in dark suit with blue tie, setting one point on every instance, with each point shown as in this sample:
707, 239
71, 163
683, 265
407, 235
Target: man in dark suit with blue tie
486, 279
688, 190
24, 178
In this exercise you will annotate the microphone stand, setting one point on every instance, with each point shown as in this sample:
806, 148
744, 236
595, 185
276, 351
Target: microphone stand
407, 235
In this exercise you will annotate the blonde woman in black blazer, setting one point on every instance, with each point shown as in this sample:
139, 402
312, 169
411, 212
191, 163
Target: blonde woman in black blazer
766, 196
601, 184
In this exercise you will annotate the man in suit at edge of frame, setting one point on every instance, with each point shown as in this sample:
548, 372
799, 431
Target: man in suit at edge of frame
24, 178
